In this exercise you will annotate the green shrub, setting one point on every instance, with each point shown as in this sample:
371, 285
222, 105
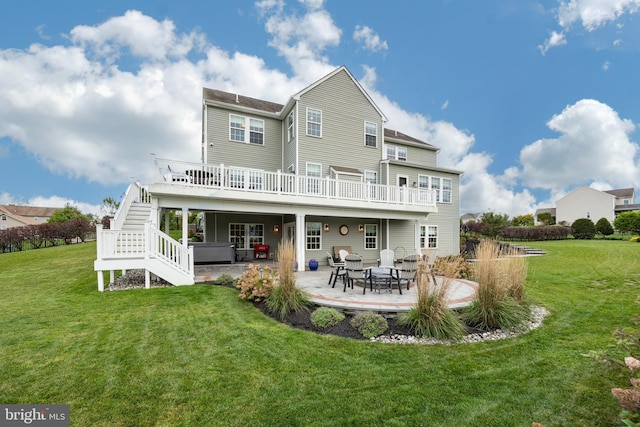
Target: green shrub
256, 284
583, 228
604, 227
325, 317
369, 324
225, 280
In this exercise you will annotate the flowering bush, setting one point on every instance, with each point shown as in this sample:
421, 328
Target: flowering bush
257, 283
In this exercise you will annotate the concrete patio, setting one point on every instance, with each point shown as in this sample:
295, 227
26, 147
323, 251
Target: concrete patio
461, 292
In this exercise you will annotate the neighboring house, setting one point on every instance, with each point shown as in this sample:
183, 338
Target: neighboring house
552, 211
471, 217
585, 202
19, 216
322, 170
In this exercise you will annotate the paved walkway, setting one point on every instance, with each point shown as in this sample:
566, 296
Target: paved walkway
461, 292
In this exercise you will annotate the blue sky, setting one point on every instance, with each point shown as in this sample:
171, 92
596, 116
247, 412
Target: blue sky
530, 99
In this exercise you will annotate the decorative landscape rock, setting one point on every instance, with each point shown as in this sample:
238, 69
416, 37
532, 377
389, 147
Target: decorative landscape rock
134, 279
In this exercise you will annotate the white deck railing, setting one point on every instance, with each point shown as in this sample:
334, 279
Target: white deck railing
135, 193
150, 243
261, 181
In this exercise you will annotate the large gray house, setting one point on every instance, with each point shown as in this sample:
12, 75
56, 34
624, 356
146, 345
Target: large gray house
322, 170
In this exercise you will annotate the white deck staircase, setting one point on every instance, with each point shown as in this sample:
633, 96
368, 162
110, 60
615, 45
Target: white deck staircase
133, 242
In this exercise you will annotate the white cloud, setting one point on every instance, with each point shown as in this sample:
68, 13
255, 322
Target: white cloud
594, 13
445, 105
593, 146
370, 38
80, 113
606, 65
554, 40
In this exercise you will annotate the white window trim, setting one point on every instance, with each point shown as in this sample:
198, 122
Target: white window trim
247, 129
375, 125
375, 175
291, 126
439, 196
307, 235
395, 155
307, 121
246, 237
364, 237
425, 244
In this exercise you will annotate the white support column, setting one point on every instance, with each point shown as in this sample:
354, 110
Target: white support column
147, 279
416, 249
301, 232
155, 212
185, 227
387, 232
100, 281
167, 221
112, 276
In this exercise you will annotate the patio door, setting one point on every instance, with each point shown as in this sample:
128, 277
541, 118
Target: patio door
290, 232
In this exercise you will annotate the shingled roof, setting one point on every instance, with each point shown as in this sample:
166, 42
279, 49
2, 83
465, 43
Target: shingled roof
394, 134
622, 193
241, 101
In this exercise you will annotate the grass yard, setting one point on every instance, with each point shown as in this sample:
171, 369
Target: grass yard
199, 356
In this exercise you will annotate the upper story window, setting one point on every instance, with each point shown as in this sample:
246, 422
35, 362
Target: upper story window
3, 217
238, 129
370, 134
314, 122
371, 177
290, 126
314, 171
396, 153
441, 186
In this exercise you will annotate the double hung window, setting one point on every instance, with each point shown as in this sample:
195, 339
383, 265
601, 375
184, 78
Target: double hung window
314, 236
370, 236
440, 186
396, 153
370, 134
314, 122
314, 171
428, 236
238, 129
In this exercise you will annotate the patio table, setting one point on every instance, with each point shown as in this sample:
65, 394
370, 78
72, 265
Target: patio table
379, 275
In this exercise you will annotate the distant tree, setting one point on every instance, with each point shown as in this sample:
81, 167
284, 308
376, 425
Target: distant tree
109, 206
67, 213
493, 223
545, 218
603, 226
523, 221
627, 222
583, 228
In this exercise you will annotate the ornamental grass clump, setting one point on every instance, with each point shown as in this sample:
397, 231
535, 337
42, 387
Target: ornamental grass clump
256, 284
286, 296
500, 303
431, 316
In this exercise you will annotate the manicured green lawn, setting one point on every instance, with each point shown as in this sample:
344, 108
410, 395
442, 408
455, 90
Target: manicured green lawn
199, 356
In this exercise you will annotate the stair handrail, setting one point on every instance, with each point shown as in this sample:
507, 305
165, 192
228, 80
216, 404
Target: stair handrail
135, 193
163, 247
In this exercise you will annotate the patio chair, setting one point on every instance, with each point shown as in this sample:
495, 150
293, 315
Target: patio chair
337, 270
407, 272
343, 254
386, 258
355, 271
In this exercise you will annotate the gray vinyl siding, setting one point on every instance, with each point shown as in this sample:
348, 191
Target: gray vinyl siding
423, 156
289, 152
217, 229
344, 111
232, 153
